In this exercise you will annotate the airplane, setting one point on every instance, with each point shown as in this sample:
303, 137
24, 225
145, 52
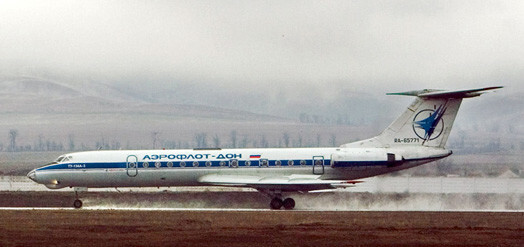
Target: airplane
416, 137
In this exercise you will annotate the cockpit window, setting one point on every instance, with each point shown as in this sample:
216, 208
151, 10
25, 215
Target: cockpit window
59, 159
63, 158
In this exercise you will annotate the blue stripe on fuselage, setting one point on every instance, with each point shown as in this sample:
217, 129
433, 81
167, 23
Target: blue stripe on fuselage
204, 164
180, 164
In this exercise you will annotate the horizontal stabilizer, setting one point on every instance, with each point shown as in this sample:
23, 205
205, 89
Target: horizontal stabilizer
459, 94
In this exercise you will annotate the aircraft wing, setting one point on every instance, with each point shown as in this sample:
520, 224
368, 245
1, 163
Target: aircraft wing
302, 183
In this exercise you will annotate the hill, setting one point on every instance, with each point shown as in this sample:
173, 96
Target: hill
87, 115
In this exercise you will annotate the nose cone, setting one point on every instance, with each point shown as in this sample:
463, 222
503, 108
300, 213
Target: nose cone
32, 175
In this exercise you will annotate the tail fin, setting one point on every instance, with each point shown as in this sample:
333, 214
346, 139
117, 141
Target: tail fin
426, 122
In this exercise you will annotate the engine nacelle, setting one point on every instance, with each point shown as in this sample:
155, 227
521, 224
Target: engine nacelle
367, 157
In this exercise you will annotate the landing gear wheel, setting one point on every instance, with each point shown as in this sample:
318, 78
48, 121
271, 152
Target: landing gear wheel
289, 203
77, 203
276, 203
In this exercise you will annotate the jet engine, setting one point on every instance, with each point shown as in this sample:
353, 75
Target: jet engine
367, 157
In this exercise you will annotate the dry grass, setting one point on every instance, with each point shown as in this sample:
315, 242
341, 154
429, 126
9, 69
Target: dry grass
282, 228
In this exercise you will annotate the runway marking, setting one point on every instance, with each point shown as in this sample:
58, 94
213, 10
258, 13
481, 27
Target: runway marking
243, 210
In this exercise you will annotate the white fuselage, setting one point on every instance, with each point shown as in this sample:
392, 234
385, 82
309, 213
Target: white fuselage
159, 168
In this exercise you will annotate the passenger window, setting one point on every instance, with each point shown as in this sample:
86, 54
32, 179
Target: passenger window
222, 163
233, 163
302, 162
278, 163
290, 163
208, 163
145, 165
195, 163
158, 164
248, 162
169, 164
182, 164
264, 163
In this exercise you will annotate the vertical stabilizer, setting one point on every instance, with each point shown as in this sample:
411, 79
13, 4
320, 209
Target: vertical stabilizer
426, 122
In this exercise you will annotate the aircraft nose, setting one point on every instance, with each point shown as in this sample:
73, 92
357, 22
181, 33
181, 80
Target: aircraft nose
32, 175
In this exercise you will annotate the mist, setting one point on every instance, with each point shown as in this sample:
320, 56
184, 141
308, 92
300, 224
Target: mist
265, 46
317, 201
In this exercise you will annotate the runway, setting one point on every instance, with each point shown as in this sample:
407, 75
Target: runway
256, 201
234, 210
146, 209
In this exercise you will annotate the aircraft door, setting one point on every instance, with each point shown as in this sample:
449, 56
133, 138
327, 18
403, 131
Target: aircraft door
132, 165
318, 165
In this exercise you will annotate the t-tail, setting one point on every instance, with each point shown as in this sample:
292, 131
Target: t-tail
426, 122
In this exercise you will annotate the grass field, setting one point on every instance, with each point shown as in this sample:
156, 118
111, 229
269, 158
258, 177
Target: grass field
268, 228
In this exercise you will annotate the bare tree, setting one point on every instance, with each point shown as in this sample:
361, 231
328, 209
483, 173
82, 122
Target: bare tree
12, 140
244, 141
233, 138
71, 140
216, 141
201, 140
285, 138
333, 140
154, 136
40, 142
263, 142
115, 145
319, 140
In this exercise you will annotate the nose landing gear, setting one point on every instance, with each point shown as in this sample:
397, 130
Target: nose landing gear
78, 203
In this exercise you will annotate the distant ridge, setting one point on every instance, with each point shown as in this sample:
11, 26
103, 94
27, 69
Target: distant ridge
32, 95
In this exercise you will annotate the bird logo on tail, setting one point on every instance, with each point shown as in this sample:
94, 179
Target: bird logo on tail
431, 127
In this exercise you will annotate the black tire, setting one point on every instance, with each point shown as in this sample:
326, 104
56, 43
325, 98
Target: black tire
276, 203
77, 203
289, 203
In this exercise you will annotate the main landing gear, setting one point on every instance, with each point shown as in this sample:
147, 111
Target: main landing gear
276, 200
277, 203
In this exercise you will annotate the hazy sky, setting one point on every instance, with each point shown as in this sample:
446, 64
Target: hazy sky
261, 45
